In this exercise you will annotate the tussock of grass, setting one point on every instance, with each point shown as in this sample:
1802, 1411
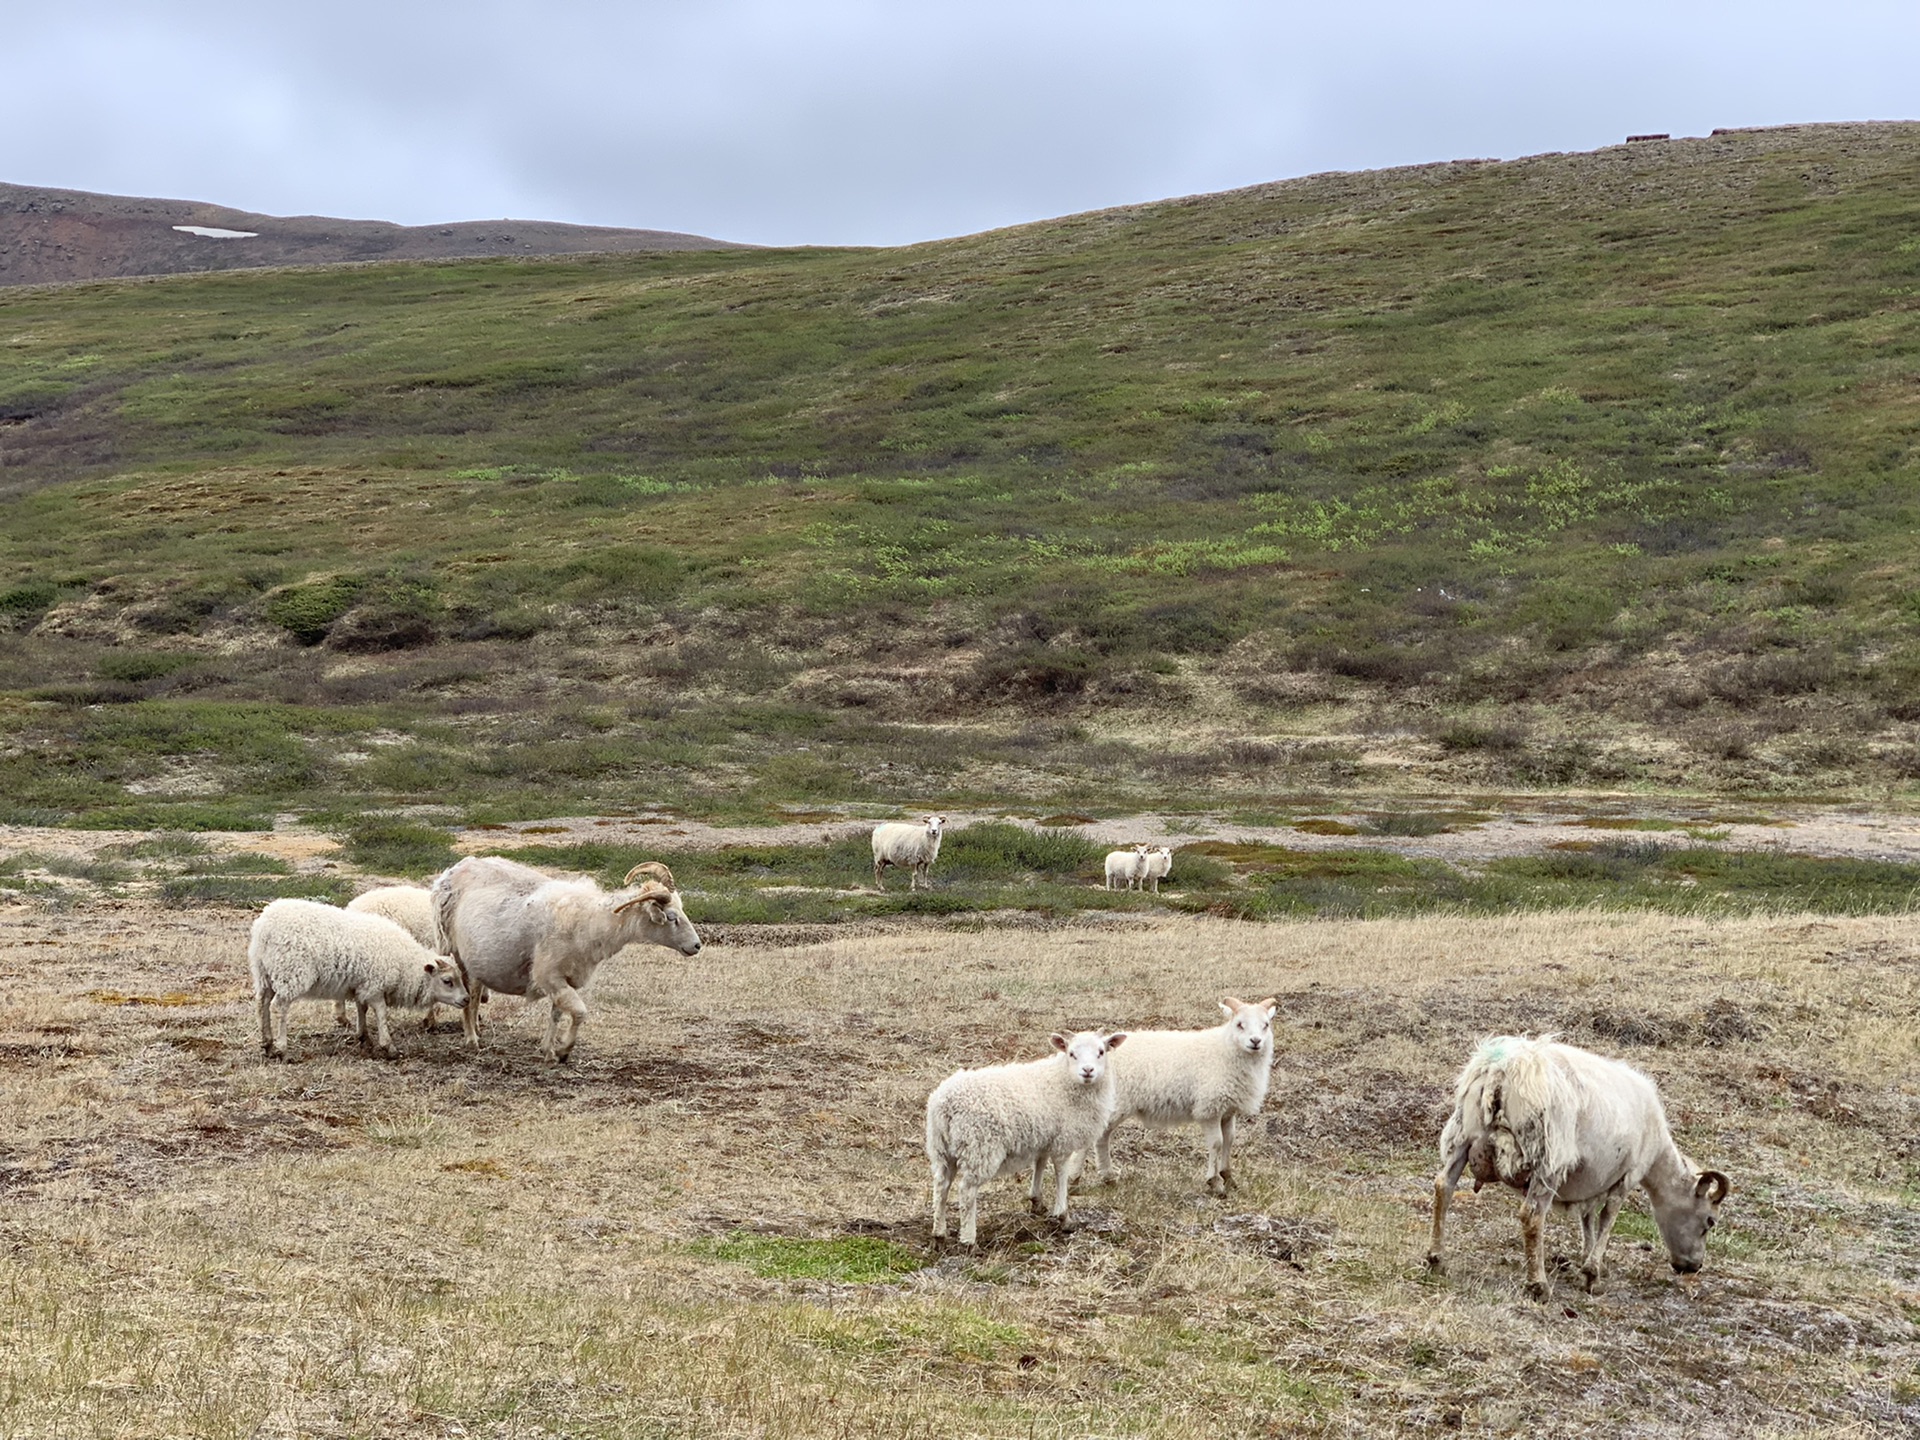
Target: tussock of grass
848, 1260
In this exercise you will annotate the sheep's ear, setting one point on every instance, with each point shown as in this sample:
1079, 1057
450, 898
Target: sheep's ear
1716, 1182
1059, 1041
1114, 1040
433, 967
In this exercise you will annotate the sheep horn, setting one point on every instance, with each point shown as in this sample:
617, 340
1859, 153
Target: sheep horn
653, 868
1714, 1180
652, 890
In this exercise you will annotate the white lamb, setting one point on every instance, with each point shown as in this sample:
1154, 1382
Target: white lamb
1158, 863
982, 1124
411, 908
912, 848
1210, 1078
1125, 867
303, 950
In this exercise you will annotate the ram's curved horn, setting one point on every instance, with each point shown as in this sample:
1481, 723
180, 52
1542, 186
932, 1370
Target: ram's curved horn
653, 868
652, 890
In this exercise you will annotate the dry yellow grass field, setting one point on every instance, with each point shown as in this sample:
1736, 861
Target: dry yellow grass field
657, 1239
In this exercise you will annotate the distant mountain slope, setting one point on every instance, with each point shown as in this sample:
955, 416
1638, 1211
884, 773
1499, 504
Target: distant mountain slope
1597, 469
47, 236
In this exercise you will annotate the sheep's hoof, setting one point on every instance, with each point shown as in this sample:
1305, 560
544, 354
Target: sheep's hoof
1227, 1183
1436, 1263
1538, 1290
1592, 1279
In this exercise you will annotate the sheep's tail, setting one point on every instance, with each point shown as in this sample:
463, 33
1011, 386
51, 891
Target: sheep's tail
1516, 1094
445, 899
257, 954
938, 1151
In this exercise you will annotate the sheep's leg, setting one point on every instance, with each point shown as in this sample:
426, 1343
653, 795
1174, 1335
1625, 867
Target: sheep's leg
1594, 1264
277, 1046
1062, 1178
1533, 1230
382, 1041
1443, 1184
969, 1202
340, 1013
1033, 1190
879, 870
565, 1001
470, 1017
1226, 1153
942, 1182
1104, 1157
1210, 1132
265, 999
426, 1020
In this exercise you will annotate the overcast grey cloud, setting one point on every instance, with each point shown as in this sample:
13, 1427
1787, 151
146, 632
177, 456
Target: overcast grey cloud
857, 121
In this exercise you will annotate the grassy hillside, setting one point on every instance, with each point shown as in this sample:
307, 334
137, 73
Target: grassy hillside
1585, 469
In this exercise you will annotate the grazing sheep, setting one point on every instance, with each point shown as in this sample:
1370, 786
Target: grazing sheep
1210, 1078
982, 1124
1572, 1130
911, 847
1158, 864
411, 908
1125, 866
546, 938
303, 950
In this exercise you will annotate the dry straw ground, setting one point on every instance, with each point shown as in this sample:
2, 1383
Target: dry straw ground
193, 1241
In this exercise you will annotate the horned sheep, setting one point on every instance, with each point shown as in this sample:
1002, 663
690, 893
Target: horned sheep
1576, 1131
1212, 1078
304, 950
517, 931
994, 1121
909, 847
1124, 867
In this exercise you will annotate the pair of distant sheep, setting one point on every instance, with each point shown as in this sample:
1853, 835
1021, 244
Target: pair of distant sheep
914, 848
1139, 867
485, 924
1568, 1128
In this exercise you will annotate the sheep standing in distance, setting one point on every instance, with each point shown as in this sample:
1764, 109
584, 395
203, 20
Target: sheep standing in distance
982, 1124
1210, 1078
910, 847
1124, 867
547, 939
303, 950
1157, 864
1577, 1131
411, 908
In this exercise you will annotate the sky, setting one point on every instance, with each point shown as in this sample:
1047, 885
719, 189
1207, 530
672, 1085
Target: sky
879, 122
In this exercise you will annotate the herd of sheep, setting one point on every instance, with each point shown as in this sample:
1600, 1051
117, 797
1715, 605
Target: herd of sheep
1567, 1128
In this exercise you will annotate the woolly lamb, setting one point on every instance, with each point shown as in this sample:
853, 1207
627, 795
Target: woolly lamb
303, 950
1576, 1131
1210, 1078
1124, 867
910, 847
411, 908
982, 1124
1158, 863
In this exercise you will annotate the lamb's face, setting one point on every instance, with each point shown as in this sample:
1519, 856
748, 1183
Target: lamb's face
1251, 1025
1086, 1054
444, 985
935, 824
